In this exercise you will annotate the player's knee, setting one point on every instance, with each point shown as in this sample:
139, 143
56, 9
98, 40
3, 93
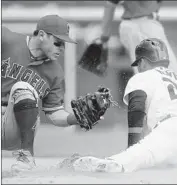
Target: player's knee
25, 107
26, 113
25, 101
25, 104
23, 90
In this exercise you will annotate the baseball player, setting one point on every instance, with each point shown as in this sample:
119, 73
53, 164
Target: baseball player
139, 21
31, 72
151, 97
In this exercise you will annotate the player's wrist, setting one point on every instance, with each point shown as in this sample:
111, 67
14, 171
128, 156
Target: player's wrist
71, 119
101, 40
104, 38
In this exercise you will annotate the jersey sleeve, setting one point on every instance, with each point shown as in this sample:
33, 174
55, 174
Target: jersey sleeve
140, 81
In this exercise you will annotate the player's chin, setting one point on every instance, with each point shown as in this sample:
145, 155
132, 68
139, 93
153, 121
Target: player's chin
55, 57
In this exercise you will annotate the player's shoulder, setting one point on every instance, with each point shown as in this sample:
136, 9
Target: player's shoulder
5, 29
5, 33
141, 81
145, 80
9, 36
144, 76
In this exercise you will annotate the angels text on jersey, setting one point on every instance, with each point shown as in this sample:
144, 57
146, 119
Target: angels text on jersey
20, 73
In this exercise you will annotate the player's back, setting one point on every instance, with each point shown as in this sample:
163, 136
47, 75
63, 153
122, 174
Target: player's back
162, 96
13, 52
160, 86
10, 38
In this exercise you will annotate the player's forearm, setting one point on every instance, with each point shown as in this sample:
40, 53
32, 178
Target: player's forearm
136, 120
136, 116
106, 24
62, 118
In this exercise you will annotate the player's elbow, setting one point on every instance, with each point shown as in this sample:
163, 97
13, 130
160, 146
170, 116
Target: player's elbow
136, 115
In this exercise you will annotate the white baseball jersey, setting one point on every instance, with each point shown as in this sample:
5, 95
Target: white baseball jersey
160, 85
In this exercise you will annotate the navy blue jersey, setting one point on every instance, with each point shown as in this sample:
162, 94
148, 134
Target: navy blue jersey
46, 76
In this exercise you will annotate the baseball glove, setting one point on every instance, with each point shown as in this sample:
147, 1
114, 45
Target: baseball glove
89, 109
94, 58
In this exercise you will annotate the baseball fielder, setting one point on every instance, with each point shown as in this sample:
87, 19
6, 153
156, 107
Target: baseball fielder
151, 97
139, 21
30, 72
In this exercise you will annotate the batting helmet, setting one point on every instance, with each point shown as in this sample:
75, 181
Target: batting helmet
152, 49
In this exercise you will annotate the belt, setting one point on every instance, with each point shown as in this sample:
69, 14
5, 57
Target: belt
150, 16
166, 117
3, 103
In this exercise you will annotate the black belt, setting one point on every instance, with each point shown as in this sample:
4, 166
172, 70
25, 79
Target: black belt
3, 103
150, 16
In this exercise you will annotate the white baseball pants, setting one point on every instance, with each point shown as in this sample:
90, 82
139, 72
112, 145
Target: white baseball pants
157, 148
9, 128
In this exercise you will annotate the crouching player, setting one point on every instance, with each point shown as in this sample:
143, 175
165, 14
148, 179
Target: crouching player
151, 96
31, 71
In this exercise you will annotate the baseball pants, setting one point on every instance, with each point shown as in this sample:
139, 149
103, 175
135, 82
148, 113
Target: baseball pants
156, 149
9, 127
133, 31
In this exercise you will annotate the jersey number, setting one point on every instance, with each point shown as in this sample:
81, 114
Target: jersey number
172, 88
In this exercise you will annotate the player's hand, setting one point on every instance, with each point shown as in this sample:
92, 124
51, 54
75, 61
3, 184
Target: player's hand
91, 108
94, 58
102, 40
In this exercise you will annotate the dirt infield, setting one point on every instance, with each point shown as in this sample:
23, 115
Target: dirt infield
44, 174
52, 143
